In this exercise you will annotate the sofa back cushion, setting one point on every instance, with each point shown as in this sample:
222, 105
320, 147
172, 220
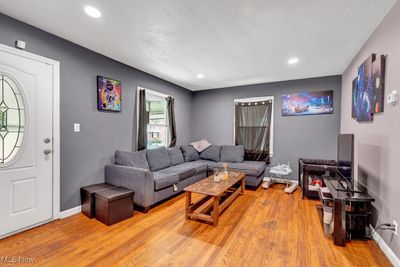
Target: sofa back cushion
189, 153
133, 159
175, 156
212, 153
158, 158
232, 153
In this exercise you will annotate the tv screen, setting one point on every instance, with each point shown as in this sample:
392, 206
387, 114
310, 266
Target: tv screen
345, 157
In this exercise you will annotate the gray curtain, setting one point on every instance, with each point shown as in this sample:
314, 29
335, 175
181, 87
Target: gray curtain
252, 129
171, 121
143, 121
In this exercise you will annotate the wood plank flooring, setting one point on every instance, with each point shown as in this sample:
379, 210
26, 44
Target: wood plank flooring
260, 228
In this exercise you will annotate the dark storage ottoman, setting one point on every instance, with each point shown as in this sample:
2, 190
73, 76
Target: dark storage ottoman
87, 198
114, 205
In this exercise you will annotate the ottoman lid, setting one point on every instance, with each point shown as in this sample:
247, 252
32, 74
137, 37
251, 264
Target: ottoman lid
96, 187
114, 193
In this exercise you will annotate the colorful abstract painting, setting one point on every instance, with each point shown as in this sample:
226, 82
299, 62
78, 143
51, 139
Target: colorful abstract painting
364, 105
307, 103
108, 94
368, 89
354, 99
378, 78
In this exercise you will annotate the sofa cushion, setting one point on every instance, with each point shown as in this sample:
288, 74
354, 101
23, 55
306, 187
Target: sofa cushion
163, 180
158, 158
232, 153
175, 156
212, 153
189, 153
198, 165
183, 172
250, 168
213, 165
201, 145
133, 159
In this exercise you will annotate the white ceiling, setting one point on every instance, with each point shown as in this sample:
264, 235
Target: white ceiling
231, 42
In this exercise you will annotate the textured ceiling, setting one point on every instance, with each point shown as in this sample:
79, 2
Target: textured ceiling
231, 42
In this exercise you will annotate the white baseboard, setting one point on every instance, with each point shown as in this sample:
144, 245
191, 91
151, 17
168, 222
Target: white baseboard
385, 248
70, 212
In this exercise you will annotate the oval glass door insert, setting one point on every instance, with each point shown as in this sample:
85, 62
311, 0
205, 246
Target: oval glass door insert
12, 119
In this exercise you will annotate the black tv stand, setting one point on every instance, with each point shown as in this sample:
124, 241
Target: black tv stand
340, 184
345, 185
352, 210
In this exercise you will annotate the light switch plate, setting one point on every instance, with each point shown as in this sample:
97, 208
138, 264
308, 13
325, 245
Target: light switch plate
20, 44
392, 97
77, 127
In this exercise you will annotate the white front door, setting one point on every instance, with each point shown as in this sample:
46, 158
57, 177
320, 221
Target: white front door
26, 140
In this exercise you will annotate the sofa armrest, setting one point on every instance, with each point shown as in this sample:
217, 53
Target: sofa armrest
139, 180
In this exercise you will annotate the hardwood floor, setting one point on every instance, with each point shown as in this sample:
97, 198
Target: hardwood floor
260, 228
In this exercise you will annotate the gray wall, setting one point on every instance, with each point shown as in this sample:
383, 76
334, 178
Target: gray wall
84, 154
377, 144
313, 136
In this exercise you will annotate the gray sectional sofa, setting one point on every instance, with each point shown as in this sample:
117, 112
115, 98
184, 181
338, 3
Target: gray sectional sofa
157, 174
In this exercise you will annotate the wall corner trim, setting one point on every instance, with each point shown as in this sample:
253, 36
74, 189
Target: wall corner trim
385, 248
66, 213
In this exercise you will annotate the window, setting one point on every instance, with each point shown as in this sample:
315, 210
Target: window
253, 122
157, 129
12, 119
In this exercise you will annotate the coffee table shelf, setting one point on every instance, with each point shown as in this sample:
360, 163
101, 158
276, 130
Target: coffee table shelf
217, 197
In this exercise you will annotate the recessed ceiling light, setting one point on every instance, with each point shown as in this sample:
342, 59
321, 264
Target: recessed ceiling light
200, 76
293, 60
93, 12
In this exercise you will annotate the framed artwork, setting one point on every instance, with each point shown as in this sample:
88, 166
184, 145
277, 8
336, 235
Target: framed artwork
307, 103
369, 88
108, 94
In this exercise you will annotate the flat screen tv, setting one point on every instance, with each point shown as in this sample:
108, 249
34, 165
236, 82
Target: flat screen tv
345, 158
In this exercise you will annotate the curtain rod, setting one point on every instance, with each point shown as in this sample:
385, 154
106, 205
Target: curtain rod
253, 99
154, 92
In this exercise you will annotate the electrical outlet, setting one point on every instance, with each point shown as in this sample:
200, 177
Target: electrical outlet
395, 227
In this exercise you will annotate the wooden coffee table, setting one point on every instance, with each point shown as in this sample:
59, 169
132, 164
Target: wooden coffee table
217, 197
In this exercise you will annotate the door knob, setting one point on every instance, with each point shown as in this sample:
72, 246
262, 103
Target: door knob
46, 140
47, 151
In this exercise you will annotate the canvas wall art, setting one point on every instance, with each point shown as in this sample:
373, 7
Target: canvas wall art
307, 103
354, 100
378, 78
369, 89
364, 102
108, 94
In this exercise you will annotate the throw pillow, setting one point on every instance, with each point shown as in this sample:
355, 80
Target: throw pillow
158, 158
133, 159
201, 145
212, 153
232, 153
175, 156
189, 153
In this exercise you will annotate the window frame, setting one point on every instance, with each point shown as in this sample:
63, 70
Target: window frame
156, 96
257, 99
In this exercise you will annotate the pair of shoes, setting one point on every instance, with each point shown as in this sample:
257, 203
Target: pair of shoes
266, 183
266, 179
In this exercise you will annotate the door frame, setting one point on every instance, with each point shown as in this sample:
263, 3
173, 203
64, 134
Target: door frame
56, 120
